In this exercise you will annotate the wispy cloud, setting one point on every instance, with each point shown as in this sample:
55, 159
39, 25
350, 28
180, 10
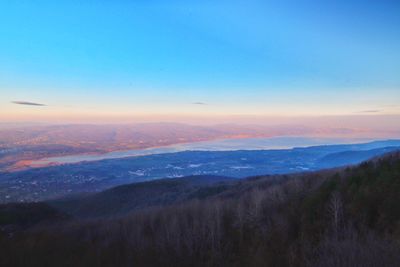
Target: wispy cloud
26, 103
370, 111
199, 103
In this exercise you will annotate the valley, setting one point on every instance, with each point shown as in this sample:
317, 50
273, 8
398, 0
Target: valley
84, 177
24, 147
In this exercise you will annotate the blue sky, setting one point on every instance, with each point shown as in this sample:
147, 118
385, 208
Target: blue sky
237, 57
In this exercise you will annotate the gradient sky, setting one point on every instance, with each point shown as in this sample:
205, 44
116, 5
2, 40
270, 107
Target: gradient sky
121, 59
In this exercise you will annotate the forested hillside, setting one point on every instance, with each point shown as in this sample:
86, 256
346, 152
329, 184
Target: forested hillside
340, 217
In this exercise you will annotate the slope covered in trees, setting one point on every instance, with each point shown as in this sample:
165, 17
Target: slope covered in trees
124, 199
344, 217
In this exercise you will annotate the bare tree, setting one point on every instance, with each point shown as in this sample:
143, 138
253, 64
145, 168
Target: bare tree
335, 211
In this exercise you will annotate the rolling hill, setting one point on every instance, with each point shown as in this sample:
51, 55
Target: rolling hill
123, 199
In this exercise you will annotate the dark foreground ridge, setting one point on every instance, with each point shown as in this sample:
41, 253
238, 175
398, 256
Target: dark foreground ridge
338, 217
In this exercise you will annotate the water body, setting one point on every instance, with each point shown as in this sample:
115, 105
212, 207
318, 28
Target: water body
215, 145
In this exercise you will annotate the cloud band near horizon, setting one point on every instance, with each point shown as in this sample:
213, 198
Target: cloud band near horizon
26, 103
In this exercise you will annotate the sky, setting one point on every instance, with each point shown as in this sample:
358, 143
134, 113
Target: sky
164, 60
